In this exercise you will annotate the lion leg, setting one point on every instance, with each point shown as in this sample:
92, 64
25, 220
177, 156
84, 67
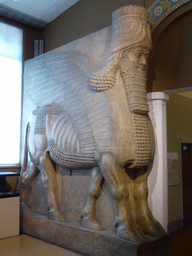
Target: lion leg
114, 178
88, 219
144, 217
49, 181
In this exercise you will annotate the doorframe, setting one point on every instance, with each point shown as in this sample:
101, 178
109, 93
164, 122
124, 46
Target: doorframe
185, 221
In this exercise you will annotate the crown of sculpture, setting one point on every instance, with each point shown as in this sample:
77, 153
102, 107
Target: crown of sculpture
129, 28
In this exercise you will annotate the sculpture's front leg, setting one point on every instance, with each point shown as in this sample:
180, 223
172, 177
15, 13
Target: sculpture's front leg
88, 219
114, 177
144, 216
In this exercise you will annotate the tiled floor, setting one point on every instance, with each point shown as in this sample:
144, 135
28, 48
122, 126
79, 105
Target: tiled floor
24, 245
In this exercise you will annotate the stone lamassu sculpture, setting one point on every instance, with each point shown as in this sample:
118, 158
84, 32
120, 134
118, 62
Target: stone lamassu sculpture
96, 117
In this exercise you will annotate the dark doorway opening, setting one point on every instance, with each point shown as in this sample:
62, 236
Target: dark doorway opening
187, 182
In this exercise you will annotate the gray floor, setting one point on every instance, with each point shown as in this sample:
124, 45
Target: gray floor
24, 245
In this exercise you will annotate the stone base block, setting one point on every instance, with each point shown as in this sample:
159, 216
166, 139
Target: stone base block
71, 236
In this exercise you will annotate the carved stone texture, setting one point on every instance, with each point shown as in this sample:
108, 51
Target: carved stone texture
92, 113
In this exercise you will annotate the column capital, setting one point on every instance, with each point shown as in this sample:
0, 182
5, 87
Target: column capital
157, 96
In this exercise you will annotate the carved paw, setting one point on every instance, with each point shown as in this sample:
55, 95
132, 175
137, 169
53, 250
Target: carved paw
91, 224
55, 215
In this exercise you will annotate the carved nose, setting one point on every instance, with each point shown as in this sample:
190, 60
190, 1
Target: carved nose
142, 60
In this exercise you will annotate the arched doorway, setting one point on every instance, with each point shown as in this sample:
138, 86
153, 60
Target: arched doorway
170, 72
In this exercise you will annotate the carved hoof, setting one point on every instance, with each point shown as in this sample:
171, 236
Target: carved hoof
154, 230
55, 215
91, 224
126, 234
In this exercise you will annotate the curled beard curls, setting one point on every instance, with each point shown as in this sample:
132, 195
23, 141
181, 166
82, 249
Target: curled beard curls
134, 77
106, 77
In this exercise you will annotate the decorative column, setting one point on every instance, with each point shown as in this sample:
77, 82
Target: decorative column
158, 190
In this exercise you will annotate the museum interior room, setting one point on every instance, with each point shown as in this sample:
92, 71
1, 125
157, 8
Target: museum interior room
63, 83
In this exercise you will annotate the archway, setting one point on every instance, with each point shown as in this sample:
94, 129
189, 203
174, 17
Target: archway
169, 70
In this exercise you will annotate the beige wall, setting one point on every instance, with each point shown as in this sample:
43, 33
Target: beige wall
83, 18
179, 130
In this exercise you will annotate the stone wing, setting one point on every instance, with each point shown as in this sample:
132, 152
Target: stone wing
62, 79
51, 77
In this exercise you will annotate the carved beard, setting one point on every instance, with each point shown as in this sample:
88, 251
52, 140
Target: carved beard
134, 78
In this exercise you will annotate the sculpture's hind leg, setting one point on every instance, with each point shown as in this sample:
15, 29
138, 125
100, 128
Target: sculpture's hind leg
114, 178
144, 216
49, 181
27, 180
88, 214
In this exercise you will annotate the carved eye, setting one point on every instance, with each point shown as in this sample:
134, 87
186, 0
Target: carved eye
137, 54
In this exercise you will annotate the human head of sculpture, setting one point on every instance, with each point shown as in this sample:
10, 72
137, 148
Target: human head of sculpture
133, 70
131, 36
130, 46
130, 29
137, 56
131, 40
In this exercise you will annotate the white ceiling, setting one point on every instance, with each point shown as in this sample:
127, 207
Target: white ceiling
44, 10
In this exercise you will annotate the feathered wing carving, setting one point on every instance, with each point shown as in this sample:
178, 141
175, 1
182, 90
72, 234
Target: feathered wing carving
62, 79
50, 76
